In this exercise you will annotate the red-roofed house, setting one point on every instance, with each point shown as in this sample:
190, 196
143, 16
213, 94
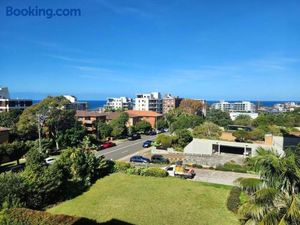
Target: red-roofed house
137, 115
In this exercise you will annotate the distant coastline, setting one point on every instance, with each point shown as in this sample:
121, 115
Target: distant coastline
94, 104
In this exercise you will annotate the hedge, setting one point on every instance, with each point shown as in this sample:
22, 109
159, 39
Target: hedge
233, 200
232, 166
149, 172
121, 166
23, 216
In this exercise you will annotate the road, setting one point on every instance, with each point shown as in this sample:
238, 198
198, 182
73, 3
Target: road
124, 149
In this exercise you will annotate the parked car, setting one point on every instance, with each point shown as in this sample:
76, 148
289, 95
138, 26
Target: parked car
134, 136
107, 144
159, 159
147, 144
17, 168
139, 159
50, 160
150, 132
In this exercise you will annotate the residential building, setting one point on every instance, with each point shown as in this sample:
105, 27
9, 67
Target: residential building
88, 118
170, 102
6, 103
74, 104
149, 102
243, 106
119, 103
4, 135
234, 115
137, 115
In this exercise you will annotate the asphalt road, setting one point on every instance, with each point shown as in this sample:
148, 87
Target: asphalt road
124, 149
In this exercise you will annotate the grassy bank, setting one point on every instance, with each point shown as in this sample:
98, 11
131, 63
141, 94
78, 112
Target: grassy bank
149, 200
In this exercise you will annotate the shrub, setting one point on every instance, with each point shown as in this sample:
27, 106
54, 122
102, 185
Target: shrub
134, 171
121, 166
164, 140
154, 172
233, 200
22, 216
232, 166
198, 166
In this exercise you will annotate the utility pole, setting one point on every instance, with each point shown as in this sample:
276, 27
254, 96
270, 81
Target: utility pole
40, 120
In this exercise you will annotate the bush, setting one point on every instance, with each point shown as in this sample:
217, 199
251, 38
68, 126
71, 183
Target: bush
134, 171
121, 166
164, 140
232, 166
233, 200
22, 216
154, 172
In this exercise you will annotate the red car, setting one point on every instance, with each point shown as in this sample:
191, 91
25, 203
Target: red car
108, 144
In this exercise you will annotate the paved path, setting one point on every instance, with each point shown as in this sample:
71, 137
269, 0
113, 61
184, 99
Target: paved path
124, 149
219, 177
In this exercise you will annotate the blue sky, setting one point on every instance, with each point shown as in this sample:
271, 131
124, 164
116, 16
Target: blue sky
211, 49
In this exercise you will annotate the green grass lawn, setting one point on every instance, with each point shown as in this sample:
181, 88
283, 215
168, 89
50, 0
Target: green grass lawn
150, 200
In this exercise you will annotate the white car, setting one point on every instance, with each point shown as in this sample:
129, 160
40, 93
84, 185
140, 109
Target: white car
50, 160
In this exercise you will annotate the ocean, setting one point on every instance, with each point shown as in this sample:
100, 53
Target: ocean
94, 104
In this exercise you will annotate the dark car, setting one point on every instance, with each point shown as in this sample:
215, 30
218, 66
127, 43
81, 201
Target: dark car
150, 132
159, 159
17, 168
139, 159
134, 136
147, 144
107, 144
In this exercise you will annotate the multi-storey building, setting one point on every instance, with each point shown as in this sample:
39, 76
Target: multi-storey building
119, 103
170, 102
243, 106
6, 103
74, 104
149, 102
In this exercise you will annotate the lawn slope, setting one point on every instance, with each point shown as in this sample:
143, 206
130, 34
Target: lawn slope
149, 200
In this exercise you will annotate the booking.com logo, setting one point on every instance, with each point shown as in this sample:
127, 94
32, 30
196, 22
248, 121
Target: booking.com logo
44, 12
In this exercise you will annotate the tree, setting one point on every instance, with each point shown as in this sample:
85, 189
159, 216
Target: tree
184, 137
103, 130
118, 125
243, 120
161, 123
241, 135
191, 106
185, 121
13, 151
143, 126
10, 118
71, 137
274, 198
218, 117
58, 119
164, 140
207, 130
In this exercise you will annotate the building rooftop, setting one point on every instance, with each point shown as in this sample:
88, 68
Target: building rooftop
133, 113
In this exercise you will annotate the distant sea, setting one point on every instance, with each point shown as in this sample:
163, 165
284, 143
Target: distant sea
94, 104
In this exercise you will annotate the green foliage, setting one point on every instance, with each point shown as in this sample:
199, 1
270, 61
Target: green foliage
13, 151
143, 126
164, 140
23, 216
287, 119
119, 129
241, 135
233, 200
234, 167
121, 166
183, 137
218, 117
161, 123
103, 130
274, 199
243, 120
150, 172
185, 121
207, 130
10, 118
154, 172
13, 190
71, 137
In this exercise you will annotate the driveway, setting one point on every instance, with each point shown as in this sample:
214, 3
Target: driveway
220, 177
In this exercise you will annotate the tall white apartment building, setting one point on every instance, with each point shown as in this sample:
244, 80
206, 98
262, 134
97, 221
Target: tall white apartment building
119, 103
243, 106
149, 102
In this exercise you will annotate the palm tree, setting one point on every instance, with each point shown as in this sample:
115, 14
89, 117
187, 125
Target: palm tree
274, 198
